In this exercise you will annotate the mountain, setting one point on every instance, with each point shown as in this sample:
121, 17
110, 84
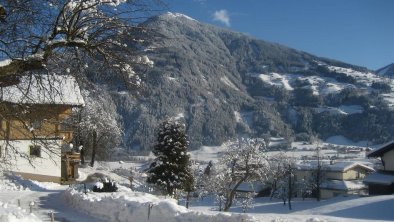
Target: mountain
387, 71
224, 84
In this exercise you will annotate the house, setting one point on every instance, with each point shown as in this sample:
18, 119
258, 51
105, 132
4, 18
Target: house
34, 141
337, 178
382, 181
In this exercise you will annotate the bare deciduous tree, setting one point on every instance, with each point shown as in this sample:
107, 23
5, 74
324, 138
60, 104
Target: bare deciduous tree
243, 162
97, 127
36, 34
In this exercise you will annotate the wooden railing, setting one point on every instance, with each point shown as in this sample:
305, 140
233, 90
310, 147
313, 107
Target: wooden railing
66, 135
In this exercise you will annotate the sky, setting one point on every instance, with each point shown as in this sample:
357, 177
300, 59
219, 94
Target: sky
360, 32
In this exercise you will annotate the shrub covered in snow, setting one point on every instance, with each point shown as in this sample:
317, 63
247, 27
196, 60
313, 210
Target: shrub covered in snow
105, 186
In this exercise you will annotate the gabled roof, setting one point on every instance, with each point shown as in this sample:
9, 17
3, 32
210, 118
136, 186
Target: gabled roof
378, 152
345, 166
333, 167
43, 89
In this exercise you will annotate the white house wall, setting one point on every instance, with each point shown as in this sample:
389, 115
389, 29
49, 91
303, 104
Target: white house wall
44, 168
388, 160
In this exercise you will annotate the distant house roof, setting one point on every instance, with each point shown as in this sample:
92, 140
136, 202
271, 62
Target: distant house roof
333, 167
343, 185
250, 187
378, 152
380, 178
345, 166
43, 89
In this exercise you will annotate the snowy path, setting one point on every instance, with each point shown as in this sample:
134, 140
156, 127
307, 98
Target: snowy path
46, 201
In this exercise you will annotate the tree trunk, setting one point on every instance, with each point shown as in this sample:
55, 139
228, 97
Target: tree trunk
229, 200
318, 176
318, 181
230, 196
290, 189
94, 148
78, 141
82, 156
187, 199
273, 190
170, 190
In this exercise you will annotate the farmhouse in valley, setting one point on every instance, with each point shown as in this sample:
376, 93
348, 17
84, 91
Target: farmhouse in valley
337, 178
34, 141
382, 181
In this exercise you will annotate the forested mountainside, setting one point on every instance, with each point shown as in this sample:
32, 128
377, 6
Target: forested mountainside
224, 84
387, 71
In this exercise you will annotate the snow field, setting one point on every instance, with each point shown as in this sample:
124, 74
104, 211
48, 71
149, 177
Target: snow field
319, 85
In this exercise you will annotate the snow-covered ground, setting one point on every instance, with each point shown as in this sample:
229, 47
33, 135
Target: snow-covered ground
365, 77
326, 85
319, 85
329, 148
128, 204
389, 98
341, 110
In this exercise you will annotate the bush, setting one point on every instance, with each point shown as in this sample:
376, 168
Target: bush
382, 86
105, 186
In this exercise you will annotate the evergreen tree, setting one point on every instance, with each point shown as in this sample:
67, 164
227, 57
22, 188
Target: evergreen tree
171, 169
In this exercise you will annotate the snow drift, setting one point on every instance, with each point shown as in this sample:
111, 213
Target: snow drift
135, 206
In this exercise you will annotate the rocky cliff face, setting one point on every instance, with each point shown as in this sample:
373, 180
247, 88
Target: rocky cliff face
224, 84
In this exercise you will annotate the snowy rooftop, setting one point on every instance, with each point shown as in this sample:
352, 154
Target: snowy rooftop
250, 187
335, 167
343, 185
43, 89
381, 150
380, 178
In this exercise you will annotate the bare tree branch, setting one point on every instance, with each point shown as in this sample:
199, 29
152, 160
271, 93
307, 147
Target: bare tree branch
33, 32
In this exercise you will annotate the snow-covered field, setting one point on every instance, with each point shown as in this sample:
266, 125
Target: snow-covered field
134, 203
69, 204
331, 147
325, 85
319, 85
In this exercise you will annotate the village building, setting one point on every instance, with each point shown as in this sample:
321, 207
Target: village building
382, 181
34, 141
337, 178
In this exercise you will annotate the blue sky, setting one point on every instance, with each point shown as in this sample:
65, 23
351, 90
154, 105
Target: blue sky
359, 32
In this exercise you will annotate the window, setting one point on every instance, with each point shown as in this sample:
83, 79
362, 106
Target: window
36, 124
35, 151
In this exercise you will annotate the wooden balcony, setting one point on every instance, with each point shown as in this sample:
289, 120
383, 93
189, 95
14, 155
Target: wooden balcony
66, 135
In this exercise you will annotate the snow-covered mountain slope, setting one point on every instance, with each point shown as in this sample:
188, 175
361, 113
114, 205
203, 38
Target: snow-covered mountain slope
223, 84
387, 71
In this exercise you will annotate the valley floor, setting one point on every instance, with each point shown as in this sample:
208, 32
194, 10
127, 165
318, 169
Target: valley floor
127, 205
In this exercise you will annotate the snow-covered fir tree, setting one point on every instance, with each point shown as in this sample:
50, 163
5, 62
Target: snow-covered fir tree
171, 169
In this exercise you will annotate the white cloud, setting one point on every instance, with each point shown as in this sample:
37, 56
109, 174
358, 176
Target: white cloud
222, 16
200, 1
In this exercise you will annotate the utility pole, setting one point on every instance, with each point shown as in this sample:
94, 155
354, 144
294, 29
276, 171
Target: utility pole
290, 186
